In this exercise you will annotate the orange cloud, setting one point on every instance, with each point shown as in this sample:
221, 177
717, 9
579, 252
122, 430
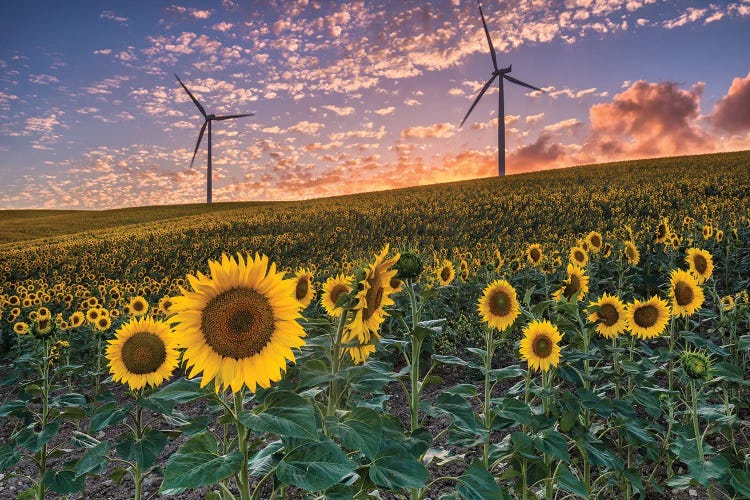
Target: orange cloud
436, 131
732, 112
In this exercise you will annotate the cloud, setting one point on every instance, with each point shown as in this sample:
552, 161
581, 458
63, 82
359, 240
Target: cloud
534, 119
103, 52
732, 112
385, 111
689, 16
43, 79
436, 131
563, 125
111, 16
542, 153
307, 128
341, 111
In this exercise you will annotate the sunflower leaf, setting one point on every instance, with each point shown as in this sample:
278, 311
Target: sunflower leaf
198, 463
314, 466
395, 469
477, 484
283, 413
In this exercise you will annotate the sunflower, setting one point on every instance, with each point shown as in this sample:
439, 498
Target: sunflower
701, 263
143, 352
648, 318
719, 235
631, 253
686, 295
92, 315
534, 254
578, 256
164, 304
303, 290
240, 324
662, 231
498, 305
21, 328
708, 231
103, 323
333, 288
138, 306
540, 345
610, 316
374, 294
594, 241
727, 303
43, 312
576, 283
446, 273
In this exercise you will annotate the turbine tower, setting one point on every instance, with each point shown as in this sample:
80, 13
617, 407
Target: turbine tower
207, 123
502, 73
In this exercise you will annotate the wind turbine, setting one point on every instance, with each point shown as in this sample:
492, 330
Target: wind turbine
206, 123
503, 74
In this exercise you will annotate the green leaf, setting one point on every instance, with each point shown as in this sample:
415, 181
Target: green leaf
635, 479
314, 372
16, 407
361, 430
67, 400
523, 445
506, 373
265, 460
64, 482
592, 401
198, 463
283, 413
600, 455
314, 466
513, 411
34, 441
744, 342
145, 450
552, 443
370, 377
93, 460
10, 455
567, 481
637, 434
478, 484
460, 411
180, 391
469, 390
108, 414
740, 480
394, 469
450, 360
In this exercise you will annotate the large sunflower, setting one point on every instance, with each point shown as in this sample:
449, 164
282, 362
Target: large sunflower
446, 273
239, 325
498, 305
578, 256
374, 294
303, 289
333, 288
648, 318
576, 283
701, 263
540, 345
143, 352
686, 295
534, 254
610, 316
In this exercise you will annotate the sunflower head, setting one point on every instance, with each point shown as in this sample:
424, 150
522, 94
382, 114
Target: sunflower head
164, 304
534, 254
648, 318
498, 306
409, 266
446, 273
103, 323
335, 288
708, 231
143, 352
727, 303
304, 291
21, 328
697, 365
540, 345
576, 285
594, 241
662, 231
701, 263
609, 314
631, 253
579, 256
239, 324
686, 294
138, 306
719, 235
43, 328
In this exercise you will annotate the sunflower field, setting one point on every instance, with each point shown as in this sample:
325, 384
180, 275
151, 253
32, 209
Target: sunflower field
574, 333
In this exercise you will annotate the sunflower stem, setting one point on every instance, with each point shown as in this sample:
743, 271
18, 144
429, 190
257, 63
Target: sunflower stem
242, 433
137, 472
487, 420
41, 489
333, 397
696, 429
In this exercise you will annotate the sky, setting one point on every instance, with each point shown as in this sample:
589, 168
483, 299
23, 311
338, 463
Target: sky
353, 96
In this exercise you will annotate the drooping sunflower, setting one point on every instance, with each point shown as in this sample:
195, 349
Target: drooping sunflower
374, 294
446, 273
719, 235
686, 294
498, 305
648, 318
333, 288
631, 253
708, 231
610, 316
143, 352
576, 283
138, 306
662, 231
594, 241
578, 256
701, 264
727, 303
540, 345
534, 254
239, 325
304, 291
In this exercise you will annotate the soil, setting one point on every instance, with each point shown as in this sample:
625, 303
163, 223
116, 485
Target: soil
102, 487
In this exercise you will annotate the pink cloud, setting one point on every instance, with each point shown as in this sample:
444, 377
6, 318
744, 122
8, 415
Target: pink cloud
438, 130
732, 112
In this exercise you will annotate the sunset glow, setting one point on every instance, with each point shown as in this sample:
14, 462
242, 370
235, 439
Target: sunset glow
351, 96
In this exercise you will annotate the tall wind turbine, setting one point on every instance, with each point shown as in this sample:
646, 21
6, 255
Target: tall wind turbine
503, 74
206, 123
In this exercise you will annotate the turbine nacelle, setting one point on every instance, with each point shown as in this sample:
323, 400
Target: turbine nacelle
502, 71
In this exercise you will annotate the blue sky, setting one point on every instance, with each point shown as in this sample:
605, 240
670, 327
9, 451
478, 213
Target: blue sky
351, 96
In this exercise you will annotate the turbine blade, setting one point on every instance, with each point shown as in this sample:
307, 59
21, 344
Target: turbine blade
229, 117
481, 93
198, 144
519, 82
195, 101
489, 40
